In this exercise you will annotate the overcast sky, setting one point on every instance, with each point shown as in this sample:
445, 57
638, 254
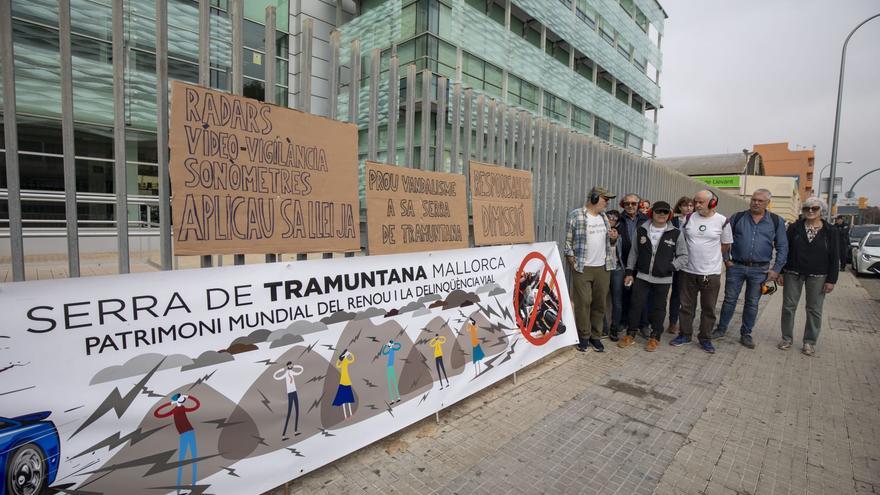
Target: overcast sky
745, 72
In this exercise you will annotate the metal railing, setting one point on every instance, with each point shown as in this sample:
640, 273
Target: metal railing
564, 162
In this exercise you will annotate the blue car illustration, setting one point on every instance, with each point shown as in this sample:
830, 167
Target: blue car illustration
29, 454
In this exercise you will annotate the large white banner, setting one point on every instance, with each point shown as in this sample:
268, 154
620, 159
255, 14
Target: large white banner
238, 379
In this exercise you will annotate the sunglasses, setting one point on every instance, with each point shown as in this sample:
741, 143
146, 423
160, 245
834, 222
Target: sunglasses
630, 203
662, 212
813, 209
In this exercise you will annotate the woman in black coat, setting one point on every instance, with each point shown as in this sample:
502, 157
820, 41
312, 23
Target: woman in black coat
812, 267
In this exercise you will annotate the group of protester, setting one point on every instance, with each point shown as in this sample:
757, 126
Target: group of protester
648, 257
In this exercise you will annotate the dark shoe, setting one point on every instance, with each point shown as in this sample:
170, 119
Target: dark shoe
583, 347
746, 340
597, 345
718, 334
680, 340
613, 335
707, 346
645, 333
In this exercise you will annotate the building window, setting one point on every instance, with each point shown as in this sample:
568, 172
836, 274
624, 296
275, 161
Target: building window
581, 119
555, 107
618, 137
603, 129
522, 93
481, 75
605, 81
586, 13
634, 144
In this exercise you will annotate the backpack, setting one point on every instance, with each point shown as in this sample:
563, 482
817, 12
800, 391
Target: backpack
734, 219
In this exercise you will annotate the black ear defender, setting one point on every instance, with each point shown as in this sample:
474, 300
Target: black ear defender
594, 196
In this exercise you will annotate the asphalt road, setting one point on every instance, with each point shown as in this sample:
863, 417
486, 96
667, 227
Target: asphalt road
871, 284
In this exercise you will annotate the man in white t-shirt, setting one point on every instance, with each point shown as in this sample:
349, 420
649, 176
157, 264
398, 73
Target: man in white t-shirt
588, 241
708, 236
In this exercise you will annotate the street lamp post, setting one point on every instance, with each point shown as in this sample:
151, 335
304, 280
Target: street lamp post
837, 116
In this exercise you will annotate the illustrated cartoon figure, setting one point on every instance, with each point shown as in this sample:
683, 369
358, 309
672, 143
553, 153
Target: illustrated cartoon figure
177, 409
437, 343
344, 394
287, 373
477, 355
390, 349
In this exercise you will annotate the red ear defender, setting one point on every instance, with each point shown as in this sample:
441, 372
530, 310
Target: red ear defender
713, 201
650, 212
621, 203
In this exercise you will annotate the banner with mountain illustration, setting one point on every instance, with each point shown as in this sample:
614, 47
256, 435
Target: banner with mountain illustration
238, 379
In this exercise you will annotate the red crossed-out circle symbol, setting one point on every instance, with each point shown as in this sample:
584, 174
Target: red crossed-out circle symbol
526, 327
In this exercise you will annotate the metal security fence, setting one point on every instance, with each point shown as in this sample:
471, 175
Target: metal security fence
455, 123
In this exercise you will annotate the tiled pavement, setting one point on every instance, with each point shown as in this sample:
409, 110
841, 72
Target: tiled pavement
679, 420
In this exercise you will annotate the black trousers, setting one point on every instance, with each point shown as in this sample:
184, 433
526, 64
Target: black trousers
292, 402
653, 296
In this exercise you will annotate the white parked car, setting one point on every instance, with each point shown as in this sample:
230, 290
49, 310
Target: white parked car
866, 256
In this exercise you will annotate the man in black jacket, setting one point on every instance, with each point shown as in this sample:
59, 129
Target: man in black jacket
626, 227
843, 239
658, 251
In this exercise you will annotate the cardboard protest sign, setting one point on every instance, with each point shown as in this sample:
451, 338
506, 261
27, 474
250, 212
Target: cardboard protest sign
170, 382
250, 177
503, 207
414, 210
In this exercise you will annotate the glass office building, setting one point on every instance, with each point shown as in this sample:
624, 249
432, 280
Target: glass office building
591, 65
38, 92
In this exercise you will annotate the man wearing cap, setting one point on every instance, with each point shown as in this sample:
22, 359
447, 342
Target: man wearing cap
658, 251
630, 219
757, 233
588, 241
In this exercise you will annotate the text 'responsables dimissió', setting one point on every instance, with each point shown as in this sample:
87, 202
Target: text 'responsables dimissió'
506, 220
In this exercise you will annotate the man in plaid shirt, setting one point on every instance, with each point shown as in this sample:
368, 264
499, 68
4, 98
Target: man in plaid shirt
588, 241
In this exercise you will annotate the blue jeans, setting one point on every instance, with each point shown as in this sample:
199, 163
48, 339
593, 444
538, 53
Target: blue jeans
753, 277
187, 441
617, 276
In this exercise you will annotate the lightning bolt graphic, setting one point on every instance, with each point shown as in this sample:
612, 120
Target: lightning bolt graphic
388, 408
489, 311
402, 331
423, 398
260, 440
294, 452
158, 463
316, 403
265, 400
328, 346
116, 402
315, 378
150, 393
222, 423
230, 471
505, 311
201, 380
374, 339
423, 340
370, 384
267, 362
372, 407
116, 440
356, 337
308, 349
325, 432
